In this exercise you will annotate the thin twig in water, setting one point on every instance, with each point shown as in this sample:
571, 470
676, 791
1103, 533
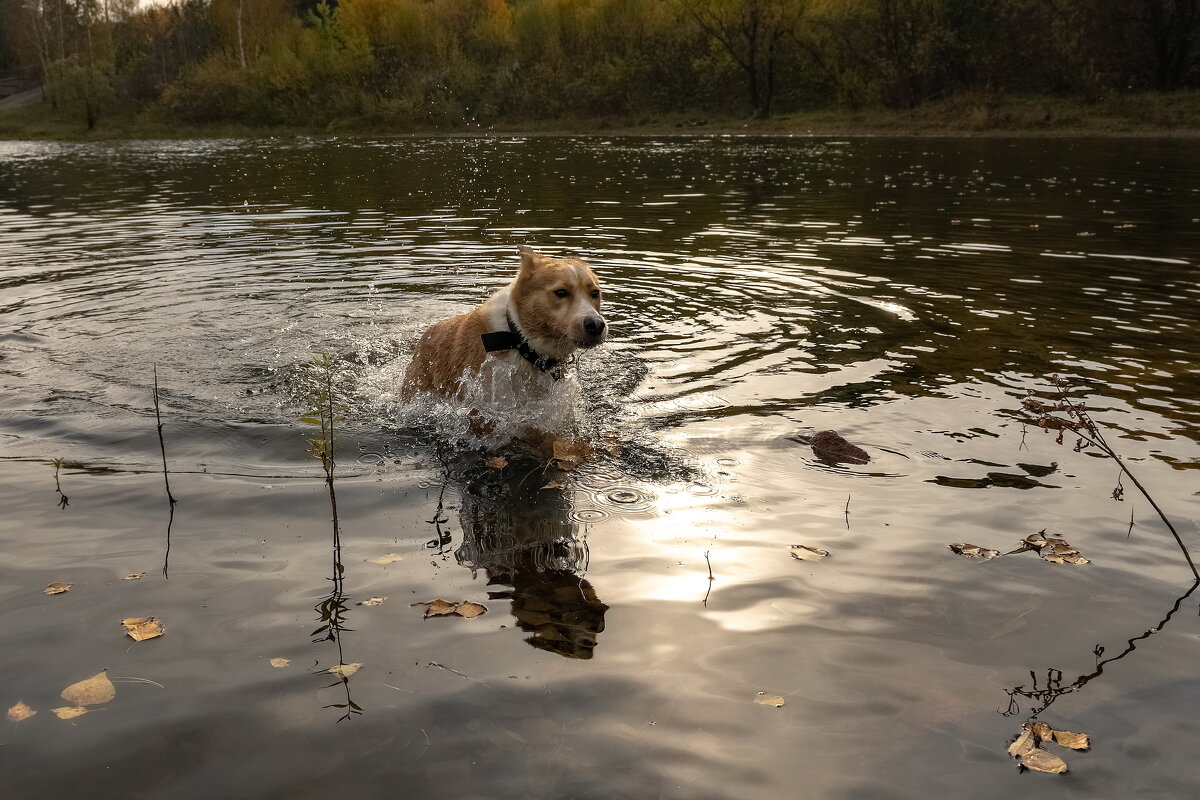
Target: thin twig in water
162, 446
710, 579
131, 679
1129, 532
63, 502
847, 511
456, 672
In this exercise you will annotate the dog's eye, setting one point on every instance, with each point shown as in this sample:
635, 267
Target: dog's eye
561, 293
595, 292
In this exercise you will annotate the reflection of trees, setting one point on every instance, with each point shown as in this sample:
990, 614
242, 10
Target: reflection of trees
1044, 694
523, 537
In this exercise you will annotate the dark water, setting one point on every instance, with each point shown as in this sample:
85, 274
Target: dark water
903, 292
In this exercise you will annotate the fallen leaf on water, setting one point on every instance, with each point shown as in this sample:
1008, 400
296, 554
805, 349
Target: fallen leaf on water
569, 455
280, 662
1025, 743
57, 588
806, 553
142, 628
91, 691
1051, 549
69, 712
373, 601
553, 485
388, 559
133, 576
440, 608
470, 610
1042, 731
764, 699
1075, 741
1042, 761
499, 462
344, 670
20, 712
973, 550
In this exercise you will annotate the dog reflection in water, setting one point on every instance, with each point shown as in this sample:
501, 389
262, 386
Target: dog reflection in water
523, 537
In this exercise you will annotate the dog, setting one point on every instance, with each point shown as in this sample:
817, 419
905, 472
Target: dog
533, 327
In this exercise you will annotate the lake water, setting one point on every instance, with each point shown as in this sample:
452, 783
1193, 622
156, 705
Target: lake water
906, 293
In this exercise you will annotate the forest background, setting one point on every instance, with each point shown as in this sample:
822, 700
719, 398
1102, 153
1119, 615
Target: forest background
403, 65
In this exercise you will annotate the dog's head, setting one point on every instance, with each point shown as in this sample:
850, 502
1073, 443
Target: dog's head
558, 302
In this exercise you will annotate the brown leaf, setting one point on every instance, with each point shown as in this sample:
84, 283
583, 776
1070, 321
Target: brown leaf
279, 663
1042, 761
973, 550
134, 576
92, 691
437, 608
805, 553
344, 670
470, 610
20, 712
1025, 743
373, 601
141, 628
553, 485
1042, 731
569, 455
1075, 741
387, 559
57, 588
69, 712
498, 462
764, 699
1053, 550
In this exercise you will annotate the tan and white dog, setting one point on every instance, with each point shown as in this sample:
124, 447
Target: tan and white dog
531, 327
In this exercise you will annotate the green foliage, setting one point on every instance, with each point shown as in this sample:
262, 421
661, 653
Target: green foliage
83, 89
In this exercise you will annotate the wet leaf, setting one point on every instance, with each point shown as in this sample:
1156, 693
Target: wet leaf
553, 485
69, 712
1042, 731
470, 610
141, 628
279, 663
498, 462
92, 691
1042, 761
1075, 741
344, 670
806, 553
57, 588
1026, 743
973, 550
20, 712
387, 559
764, 699
134, 576
569, 455
373, 601
1053, 550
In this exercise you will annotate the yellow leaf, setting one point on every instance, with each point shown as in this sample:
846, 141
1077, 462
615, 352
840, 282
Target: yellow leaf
372, 601
806, 553
437, 608
499, 462
568, 455
69, 712
1042, 731
344, 670
91, 691
553, 485
1075, 741
973, 550
133, 576
1042, 761
57, 588
20, 712
764, 699
470, 610
280, 662
1025, 743
142, 628
388, 559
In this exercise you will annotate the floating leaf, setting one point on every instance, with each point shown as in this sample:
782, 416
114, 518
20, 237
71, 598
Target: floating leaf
440, 608
1028, 752
134, 576
20, 712
69, 712
280, 662
1042, 761
764, 699
805, 553
373, 601
553, 485
498, 462
387, 559
57, 588
1025, 743
1054, 550
344, 670
973, 550
91, 691
1075, 741
470, 610
142, 628
569, 455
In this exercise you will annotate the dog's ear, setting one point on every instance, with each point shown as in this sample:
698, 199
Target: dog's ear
529, 259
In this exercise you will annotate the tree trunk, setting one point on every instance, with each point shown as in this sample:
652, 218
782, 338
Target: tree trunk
241, 44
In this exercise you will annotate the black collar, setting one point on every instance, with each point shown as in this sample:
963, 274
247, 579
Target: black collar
513, 339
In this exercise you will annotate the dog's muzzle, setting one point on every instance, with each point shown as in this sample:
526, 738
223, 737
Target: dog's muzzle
594, 330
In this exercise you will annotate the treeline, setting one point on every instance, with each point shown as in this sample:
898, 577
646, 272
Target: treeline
460, 62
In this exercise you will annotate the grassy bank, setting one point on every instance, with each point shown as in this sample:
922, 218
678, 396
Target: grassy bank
1142, 114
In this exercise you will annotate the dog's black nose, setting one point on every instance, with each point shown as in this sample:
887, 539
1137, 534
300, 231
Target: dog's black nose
593, 326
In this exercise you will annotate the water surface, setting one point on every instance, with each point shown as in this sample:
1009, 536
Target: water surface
906, 293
